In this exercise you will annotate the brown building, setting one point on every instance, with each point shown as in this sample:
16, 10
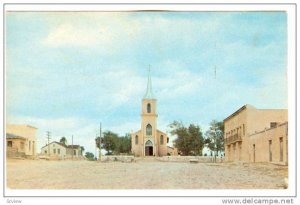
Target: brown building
20, 140
256, 135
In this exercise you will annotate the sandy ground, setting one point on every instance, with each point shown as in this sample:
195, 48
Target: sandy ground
143, 174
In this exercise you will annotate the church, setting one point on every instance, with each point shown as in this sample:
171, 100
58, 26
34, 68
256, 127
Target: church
149, 141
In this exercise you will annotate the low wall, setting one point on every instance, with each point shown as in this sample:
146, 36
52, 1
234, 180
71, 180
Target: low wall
57, 157
119, 158
13, 154
200, 159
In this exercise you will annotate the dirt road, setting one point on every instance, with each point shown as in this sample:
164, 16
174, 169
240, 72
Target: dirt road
143, 174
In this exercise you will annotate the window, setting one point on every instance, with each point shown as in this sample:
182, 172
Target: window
148, 108
244, 129
273, 124
58, 151
149, 130
136, 139
45, 151
148, 143
9, 143
74, 152
29, 145
161, 139
54, 151
167, 140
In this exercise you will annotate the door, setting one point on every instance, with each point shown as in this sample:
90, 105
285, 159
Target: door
270, 150
281, 149
148, 148
253, 152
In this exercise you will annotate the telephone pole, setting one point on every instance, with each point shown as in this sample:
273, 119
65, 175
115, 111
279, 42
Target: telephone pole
100, 142
72, 148
48, 138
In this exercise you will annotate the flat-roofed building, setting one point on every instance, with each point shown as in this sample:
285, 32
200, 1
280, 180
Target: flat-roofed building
241, 133
20, 140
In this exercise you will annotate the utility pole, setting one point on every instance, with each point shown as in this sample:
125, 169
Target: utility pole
100, 142
95, 147
72, 148
48, 138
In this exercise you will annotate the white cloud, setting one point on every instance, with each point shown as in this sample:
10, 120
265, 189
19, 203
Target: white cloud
69, 35
113, 31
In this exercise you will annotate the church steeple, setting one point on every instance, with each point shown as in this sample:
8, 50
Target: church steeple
149, 94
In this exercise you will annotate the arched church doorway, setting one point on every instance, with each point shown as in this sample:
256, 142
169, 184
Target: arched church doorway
148, 148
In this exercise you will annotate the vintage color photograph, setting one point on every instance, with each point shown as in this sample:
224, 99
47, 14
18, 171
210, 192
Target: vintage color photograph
107, 100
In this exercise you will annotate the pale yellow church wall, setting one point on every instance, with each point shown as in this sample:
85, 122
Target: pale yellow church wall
162, 148
27, 132
137, 148
153, 106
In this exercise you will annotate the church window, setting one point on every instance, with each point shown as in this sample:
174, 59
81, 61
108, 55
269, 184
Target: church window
149, 130
148, 108
148, 143
136, 139
161, 139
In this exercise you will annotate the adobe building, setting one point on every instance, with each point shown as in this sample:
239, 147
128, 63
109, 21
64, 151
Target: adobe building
256, 135
20, 140
149, 141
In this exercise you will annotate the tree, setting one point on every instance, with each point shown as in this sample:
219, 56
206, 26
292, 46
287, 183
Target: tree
82, 149
63, 140
89, 156
215, 137
189, 140
123, 144
109, 142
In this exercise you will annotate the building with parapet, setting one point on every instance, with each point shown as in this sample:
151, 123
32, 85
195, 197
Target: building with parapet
20, 140
256, 135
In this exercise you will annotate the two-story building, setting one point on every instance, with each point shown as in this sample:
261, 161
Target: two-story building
256, 135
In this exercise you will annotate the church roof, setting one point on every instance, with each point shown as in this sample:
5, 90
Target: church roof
149, 94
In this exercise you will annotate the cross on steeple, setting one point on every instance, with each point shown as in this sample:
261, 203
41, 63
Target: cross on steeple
149, 94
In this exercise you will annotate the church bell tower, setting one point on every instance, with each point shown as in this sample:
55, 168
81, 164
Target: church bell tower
149, 121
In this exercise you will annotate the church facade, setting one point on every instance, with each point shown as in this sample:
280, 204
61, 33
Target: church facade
149, 141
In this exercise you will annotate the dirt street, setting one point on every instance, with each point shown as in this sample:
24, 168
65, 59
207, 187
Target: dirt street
143, 174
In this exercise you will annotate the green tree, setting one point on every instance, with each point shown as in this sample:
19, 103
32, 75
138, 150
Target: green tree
82, 149
215, 137
189, 140
110, 141
123, 144
89, 156
114, 144
63, 140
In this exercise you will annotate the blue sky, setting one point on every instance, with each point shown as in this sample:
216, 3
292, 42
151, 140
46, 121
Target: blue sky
66, 72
